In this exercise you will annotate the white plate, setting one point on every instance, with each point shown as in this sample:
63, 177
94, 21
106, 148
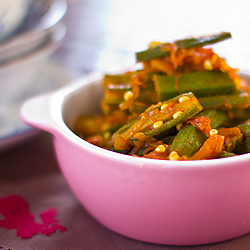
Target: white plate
13, 130
12, 14
43, 17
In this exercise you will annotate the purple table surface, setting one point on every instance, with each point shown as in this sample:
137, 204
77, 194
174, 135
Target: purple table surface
31, 170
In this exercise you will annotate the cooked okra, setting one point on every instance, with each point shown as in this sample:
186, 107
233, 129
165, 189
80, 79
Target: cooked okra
205, 83
184, 103
164, 49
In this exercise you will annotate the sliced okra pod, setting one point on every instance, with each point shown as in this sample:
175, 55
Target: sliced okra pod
117, 79
245, 129
202, 40
201, 84
186, 114
169, 114
233, 138
244, 147
187, 43
225, 154
168, 139
138, 108
188, 140
159, 118
226, 102
240, 114
124, 128
115, 95
163, 116
125, 152
217, 117
167, 133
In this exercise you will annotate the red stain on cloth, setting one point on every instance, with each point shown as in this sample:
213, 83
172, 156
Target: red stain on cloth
17, 216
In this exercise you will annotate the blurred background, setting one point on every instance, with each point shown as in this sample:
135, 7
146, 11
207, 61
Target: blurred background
45, 44
105, 34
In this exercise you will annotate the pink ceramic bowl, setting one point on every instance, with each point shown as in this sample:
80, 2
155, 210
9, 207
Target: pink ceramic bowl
157, 201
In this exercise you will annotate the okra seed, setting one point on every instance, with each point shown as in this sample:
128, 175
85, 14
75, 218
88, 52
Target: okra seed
183, 99
164, 106
208, 65
160, 149
174, 156
158, 124
177, 114
213, 132
128, 95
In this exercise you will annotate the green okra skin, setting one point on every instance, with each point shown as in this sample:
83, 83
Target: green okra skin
225, 102
168, 139
173, 99
115, 95
240, 114
138, 108
236, 143
217, 117
201, 84
225, 154
126, 126
126, 152
123, 129
147, 95
167, 133
201, 41
187, 43
245, 129
244, 147
153, 53
111, 129
190, 112
188, 141
148, 80
140, 152
122, 80
117, 79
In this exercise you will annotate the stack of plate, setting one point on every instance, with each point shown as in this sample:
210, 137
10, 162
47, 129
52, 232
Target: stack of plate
24, 53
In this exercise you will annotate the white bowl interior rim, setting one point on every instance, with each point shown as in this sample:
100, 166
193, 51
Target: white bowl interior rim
59, 100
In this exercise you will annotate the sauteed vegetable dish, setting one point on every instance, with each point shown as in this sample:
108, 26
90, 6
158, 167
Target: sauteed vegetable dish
184, 103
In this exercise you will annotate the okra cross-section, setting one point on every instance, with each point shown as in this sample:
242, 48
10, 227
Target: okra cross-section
157, 119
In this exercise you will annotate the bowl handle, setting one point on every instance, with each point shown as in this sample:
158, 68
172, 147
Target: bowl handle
37, 113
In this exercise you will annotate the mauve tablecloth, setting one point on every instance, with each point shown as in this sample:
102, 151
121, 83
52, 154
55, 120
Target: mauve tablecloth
101, 36
31, 171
